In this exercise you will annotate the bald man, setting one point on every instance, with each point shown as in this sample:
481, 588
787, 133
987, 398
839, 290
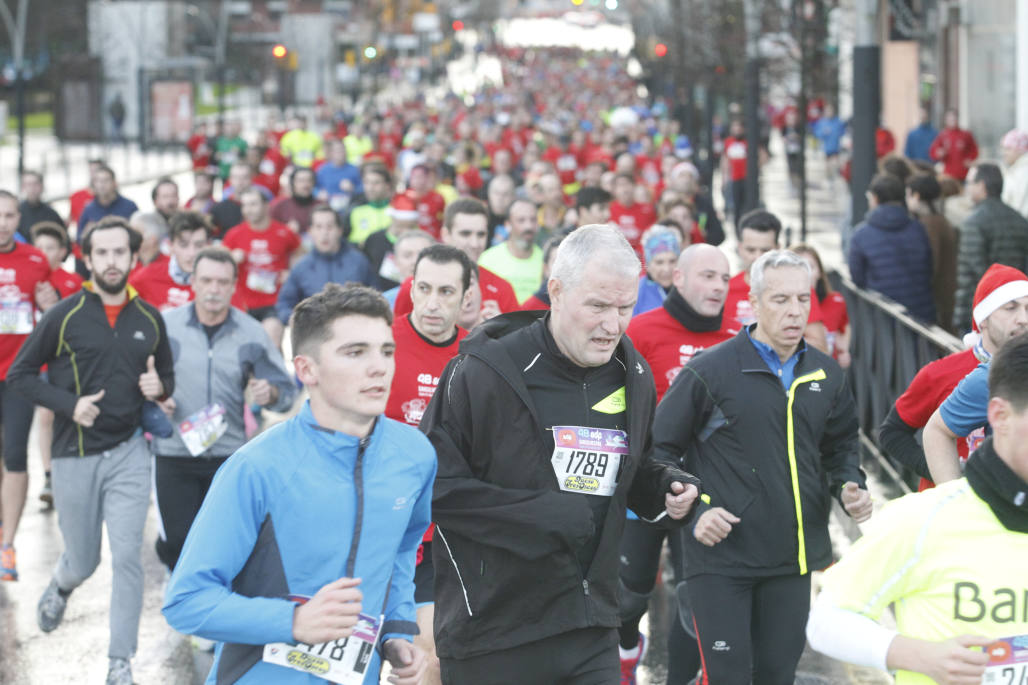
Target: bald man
689, 321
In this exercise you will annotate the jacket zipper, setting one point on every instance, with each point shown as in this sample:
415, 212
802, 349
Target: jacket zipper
358, 484
460, 578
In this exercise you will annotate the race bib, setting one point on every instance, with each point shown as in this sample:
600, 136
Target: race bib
1008, 661
389, 269
203, 428
262, 281
343, 661
588, 461
16, 317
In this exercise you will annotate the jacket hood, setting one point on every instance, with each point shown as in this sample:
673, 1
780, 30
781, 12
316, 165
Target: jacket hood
498, 327
889, 217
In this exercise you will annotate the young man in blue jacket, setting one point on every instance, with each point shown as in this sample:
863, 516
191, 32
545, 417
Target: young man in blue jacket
301, 560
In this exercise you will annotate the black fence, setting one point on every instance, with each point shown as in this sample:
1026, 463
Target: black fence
887, 347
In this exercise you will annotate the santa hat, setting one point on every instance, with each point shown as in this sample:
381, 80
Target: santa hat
402, 208
999, 285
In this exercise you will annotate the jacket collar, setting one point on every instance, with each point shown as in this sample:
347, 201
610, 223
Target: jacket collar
90, 288
334, 442
749, 358
230, 322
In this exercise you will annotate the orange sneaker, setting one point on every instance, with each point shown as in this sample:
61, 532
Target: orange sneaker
8, 563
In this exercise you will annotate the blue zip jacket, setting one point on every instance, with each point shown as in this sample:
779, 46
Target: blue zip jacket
311, 273
890, 253
293, 510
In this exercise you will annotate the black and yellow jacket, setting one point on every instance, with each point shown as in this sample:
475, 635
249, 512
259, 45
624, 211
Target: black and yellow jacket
85, 355
773, 457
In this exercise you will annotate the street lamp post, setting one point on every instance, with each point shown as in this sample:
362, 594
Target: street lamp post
220, 32
751, 105
16, 34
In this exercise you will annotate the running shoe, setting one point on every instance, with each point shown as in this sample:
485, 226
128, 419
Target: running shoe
119, 672
8, 563
47, 494
629, 666
51, 607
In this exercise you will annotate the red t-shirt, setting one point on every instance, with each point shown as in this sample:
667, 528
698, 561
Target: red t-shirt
155, 285
564, 161
112, 311
419, 364
534, 304
200, 151
667, 345
493, 288
735, 153
633, 221
66, 282
739, 311
430, 207
955, 148
649, 170
267, 261
20, 270
78, 201
929, 389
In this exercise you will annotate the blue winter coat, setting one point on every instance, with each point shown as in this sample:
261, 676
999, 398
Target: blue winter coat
309, 275
890, 253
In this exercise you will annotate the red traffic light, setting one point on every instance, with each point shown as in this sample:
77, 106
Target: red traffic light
279, 51
458, 25
660, 49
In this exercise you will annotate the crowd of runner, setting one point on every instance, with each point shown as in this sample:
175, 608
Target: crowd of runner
521, 283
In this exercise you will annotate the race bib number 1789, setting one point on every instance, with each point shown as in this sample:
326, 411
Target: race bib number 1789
588, 461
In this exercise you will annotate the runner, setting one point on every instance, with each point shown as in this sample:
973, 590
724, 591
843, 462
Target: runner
287, 598
107, 351
950, 562
24, 289
165, 283
426, 339
526, 572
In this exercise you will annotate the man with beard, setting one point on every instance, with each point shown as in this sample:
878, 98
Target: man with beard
209, 400
295, 211
519, 261
107, 351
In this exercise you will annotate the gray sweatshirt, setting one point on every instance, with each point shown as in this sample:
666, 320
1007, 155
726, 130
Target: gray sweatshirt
216, 370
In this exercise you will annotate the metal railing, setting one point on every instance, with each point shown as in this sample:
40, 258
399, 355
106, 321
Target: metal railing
888, 347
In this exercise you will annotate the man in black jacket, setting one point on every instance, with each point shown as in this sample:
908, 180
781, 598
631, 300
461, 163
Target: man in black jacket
769, 425
541, 426
106, 351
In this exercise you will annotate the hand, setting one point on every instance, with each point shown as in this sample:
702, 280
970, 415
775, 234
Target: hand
857, 502
947, 662
679, 501
261, 391
46, 295
408, 661
86, 410
330, 614
149, 382
714, 526
489, 309
239, 255
168, 406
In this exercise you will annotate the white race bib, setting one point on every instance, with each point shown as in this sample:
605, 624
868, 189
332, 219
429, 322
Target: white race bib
588, 461
262, 281
203, 428
1008, 661
16, 317
341, 661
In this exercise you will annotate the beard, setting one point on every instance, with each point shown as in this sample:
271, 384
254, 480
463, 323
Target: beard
111, 288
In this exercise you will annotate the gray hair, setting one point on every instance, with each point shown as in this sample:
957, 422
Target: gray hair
149, 224
602, 241
775, 259
410, 235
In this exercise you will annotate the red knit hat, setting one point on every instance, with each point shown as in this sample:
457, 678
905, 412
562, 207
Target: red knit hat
999, 285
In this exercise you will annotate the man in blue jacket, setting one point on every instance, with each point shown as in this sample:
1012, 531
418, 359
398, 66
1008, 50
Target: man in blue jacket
333, 260
301, 560
890, 253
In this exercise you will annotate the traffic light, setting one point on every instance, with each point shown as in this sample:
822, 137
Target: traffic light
279, 51
458, 25
660, 49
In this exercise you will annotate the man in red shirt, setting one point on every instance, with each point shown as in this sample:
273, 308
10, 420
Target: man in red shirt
80, 198
429, 203
262, 248
758, 234
690, 320
426, 339
563, 158
733, 167
633, 218
954, 147
464, 227
165, 284
24, 284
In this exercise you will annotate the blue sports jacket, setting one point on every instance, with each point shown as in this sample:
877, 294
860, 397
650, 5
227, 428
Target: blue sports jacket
293, 510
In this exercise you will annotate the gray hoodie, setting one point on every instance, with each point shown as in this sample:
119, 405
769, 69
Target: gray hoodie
217, 370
